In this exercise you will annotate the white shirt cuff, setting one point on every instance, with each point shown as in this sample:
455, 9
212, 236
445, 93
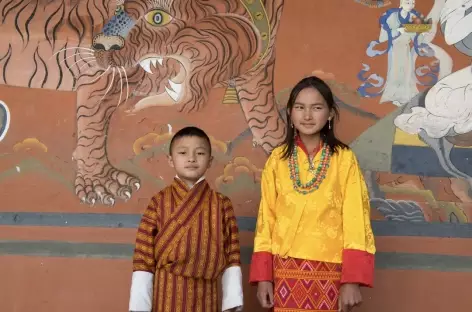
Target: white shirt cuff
232, 281
141, 291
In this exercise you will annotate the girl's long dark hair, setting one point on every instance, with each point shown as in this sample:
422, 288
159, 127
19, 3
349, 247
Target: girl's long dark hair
327, 134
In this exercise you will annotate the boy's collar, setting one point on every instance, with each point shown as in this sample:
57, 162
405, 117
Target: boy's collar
191, 186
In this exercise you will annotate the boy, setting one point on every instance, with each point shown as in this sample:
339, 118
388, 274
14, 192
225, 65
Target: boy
187, 237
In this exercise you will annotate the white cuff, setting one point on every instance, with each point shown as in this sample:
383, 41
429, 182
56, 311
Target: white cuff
141, 293
232, 281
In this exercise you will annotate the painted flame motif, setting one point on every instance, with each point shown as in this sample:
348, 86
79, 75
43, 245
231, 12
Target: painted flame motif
30, 144
236, 167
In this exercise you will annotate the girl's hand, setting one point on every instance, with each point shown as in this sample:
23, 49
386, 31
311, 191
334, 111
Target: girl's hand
265, 294
349, 297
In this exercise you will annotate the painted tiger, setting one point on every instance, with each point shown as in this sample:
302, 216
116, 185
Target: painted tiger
141, 53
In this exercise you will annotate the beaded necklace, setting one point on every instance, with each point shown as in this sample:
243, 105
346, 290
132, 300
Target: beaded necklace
319, 172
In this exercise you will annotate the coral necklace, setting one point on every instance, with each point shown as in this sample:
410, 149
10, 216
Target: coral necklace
319, 172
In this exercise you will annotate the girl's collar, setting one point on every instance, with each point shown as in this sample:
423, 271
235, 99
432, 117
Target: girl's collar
300, 144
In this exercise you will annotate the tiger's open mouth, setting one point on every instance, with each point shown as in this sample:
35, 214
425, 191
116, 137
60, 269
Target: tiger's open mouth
174, 87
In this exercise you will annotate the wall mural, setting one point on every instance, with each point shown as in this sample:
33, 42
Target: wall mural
4, 120
148, 53
432, 129
407, 34
129, 57
442, 115
374, 3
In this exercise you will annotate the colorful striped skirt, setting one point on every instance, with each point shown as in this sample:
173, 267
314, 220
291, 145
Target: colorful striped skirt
305, 285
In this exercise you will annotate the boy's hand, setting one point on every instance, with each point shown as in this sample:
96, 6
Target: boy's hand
349, 297
265, 294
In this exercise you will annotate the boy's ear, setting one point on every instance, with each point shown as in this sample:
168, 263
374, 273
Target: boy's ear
170, 161
210, 162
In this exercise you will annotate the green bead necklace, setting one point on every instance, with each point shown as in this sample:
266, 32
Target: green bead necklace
319, 172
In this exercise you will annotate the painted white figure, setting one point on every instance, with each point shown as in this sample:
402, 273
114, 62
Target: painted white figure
403, 48
400, 86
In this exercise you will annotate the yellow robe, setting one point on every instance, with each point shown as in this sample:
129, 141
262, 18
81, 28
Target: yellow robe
331, 224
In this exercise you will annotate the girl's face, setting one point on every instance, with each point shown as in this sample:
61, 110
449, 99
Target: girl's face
310, 112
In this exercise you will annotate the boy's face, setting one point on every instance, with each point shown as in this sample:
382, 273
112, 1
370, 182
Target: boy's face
190, 157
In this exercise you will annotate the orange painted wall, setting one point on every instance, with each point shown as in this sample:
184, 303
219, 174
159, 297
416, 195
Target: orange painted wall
57, 284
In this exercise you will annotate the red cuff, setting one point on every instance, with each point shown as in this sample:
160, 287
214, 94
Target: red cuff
261, 267
358, 267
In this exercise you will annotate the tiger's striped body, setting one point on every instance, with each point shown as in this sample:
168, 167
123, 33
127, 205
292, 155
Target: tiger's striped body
140, 53
34, 32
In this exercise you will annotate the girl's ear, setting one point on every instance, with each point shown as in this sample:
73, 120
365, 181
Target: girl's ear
331, 115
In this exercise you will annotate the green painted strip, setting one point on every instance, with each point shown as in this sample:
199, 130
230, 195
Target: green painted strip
80, 250
384, 260
423, 262
66, 249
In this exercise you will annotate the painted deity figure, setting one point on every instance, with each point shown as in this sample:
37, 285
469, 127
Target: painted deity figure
400, 85
442, 116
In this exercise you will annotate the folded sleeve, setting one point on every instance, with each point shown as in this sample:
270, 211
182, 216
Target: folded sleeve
232, 289
261, 263
359, 246
141, 292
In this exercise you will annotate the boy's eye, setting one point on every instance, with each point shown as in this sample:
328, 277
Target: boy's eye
201, 153
182, 153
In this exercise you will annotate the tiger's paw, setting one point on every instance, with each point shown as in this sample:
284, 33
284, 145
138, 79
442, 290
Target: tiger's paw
105, 187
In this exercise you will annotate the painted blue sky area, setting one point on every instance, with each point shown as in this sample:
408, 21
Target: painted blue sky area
423, 161
4, 120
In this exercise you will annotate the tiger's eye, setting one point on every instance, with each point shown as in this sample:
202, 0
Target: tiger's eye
158, 18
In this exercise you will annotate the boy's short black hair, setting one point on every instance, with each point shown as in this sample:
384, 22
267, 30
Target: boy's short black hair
187, 132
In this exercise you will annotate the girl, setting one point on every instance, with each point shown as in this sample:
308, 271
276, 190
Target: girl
314, 245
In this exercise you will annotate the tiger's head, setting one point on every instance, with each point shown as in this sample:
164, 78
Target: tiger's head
179, 49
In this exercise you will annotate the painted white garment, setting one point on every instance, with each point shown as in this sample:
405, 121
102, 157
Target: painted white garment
458, 24
400, 85
448, 105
